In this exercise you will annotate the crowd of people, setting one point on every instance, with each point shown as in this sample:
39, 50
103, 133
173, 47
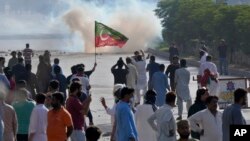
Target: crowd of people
48, 106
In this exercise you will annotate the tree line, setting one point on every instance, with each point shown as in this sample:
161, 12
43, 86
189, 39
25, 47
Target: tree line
189, 22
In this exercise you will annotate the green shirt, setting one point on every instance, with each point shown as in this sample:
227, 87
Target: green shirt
23, 111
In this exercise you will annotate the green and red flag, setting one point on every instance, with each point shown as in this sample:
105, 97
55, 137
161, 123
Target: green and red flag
106, 36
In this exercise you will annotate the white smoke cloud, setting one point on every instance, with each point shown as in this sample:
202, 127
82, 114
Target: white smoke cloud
133, 18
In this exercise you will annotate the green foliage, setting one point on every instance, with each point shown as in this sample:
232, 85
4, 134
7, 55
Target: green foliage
186, 21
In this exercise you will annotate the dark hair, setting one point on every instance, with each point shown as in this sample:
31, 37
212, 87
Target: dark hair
170, 97
210, 98
54, 84
208, 58
162, 67
7, 71
58, 96
74, 86
199, 94
120, 62
80, 69
152, 58
238, 94
57, 69
40, 98
74, 69
183, 63
128, 60
56, 61
27, 45
93, 133
125, 91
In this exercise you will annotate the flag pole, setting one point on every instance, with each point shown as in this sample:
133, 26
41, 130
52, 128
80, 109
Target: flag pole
95, 54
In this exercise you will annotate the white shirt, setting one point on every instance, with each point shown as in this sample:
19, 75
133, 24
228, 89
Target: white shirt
142, 73
182, 78
131, 76
212, 125
38, 123
165, 123
111, 112
204, 58
142, 114
208, 65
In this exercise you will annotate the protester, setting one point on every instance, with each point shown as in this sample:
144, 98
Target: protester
32, 84
143, 112
3, 79
182, 78
27, 53
170, 71
8, 117
53, 88
141, 84
173, 51
60, 124
43, 75
160, 85
163, 122
184, 131
152, 67
38, 120
232, 115
23, 109
56, 63
61, 79
209, 76
124, 118
203, 54
77, 109
116, 94
119, 73
223, 63
131, 79
13, 61
19, 71
93, 133
46, 57
199, 104
208, 122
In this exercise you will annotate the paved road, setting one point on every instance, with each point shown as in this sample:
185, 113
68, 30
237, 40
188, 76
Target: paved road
102, 83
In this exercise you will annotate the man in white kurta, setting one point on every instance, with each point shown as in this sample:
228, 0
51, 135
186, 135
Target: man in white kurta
143, 112
213, 87
209, 121
182, 78
132, 74
141, 84
38, 120
163, 122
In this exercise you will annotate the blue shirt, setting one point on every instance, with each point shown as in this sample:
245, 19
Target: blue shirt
125, 123
231, 116
152, 68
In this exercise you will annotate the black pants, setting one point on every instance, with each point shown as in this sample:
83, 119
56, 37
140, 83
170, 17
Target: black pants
22, 137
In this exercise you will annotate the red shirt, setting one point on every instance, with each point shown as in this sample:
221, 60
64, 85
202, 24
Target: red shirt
75, 107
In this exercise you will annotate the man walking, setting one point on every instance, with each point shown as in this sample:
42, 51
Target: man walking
38, 120
232, 115
170, 72
208, 122
182, 78
152, 67
60, 124
124, 118
163, 122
